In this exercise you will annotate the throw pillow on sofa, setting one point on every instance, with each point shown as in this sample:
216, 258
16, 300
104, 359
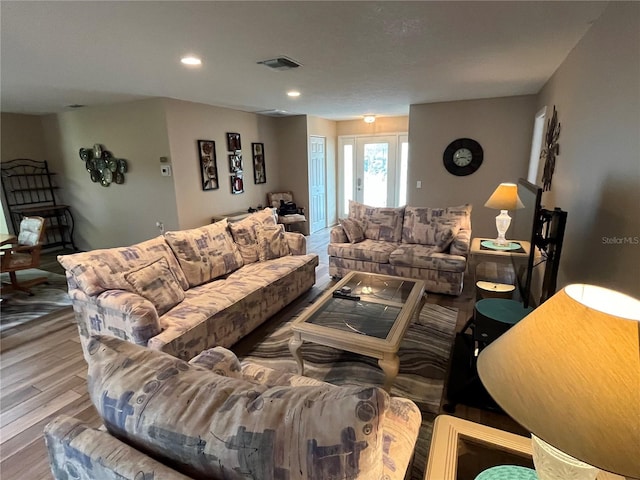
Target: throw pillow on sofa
205, 253
100, 270
271, 242
441, 233
419, 226
380, 223
353, 229
244, 233
208, 426
156, 283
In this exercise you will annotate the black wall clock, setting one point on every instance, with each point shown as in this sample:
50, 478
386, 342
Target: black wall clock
462, 157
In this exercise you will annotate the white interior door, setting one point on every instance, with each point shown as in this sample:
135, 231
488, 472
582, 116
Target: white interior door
317, 184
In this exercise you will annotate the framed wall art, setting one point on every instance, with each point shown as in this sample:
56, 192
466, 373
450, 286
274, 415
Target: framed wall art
233, 142
208, 164
259, 172
235, 162
237, 183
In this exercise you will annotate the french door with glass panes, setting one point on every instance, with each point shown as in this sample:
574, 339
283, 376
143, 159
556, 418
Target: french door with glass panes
373, 171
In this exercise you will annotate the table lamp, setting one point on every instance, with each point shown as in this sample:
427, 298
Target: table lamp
569, 372
504, 198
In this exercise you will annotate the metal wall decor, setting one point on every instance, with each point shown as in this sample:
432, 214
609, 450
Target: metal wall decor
259, 172
550, 150
208, 164
235, 163
102, 166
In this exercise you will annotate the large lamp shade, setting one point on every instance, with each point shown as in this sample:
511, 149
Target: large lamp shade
569, 372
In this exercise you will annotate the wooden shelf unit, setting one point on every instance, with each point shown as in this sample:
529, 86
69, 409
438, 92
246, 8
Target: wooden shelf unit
29, 188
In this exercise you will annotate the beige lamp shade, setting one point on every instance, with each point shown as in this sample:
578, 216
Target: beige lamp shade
569, 372
505, 197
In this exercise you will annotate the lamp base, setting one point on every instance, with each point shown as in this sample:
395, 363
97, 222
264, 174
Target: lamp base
503, 220
553, 464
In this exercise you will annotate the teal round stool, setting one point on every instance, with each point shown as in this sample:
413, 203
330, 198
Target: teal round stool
508, 472
494, 316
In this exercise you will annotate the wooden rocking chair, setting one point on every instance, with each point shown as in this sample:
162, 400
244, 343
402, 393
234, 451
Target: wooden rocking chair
24, 253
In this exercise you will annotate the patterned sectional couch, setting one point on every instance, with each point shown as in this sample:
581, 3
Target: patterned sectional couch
192, 289
431, 244
215, 418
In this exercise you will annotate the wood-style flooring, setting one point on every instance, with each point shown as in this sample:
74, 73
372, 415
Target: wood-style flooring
43, 374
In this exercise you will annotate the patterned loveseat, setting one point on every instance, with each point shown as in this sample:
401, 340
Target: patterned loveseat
191, 289
214, 418
431, 244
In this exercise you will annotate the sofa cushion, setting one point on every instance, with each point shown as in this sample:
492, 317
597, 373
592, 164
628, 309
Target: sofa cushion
104, 269
353, 229
206, 252
244, 233
271, 242
369, 250
206, 425
426, 256
420, 223
380, 223
156, 283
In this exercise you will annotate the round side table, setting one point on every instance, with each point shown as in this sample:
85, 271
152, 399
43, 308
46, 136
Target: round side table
494, 316
508, 472
494, 290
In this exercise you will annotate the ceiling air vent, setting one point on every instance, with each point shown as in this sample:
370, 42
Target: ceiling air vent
280, 63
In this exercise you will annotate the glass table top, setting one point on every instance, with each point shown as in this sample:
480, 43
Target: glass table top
369, 306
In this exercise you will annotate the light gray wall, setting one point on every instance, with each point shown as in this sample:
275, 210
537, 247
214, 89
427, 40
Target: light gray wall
189, 122
294, 160
596, 91
21, 136
118, 214
502, 126
382, 125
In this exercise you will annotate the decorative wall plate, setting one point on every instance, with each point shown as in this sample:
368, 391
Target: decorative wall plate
102, 166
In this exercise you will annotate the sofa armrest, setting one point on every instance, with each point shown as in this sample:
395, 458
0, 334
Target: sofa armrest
402, 423
220, 361
461, 244
117, 313
78, 451
338, 235
297, 243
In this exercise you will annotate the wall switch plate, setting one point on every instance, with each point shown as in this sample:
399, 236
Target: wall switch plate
419, 184
165, 170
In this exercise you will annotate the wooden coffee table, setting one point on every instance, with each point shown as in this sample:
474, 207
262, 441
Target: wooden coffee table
372, 322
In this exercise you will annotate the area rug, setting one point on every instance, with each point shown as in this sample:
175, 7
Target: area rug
18, 308
424, 355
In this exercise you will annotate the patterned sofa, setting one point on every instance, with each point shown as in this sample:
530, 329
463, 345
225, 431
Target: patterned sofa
191, 289
214, 418
431, 244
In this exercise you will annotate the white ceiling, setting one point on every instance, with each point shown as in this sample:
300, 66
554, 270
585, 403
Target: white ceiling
358, 56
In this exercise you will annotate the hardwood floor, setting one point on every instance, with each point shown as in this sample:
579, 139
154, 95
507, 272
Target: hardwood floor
43, 374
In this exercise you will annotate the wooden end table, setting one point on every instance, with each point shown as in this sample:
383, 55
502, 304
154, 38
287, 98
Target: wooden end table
454, 439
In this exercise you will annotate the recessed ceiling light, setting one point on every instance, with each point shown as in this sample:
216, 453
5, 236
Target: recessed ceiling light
293, 93
369, 118
191, 61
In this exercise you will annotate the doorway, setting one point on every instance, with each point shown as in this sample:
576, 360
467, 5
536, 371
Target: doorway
373, 170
